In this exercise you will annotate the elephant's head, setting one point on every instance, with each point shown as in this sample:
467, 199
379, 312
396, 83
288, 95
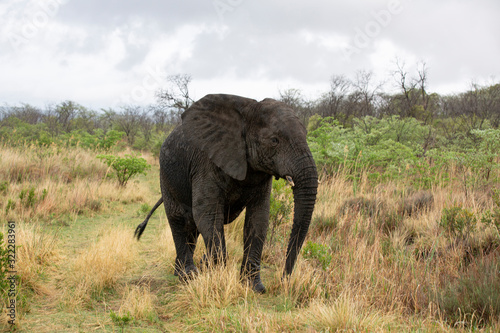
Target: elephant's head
239, 134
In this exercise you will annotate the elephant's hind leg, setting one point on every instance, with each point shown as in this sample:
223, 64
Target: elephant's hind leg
185, 235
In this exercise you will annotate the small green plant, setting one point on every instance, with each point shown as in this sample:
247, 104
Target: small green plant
4, 268
144, 209
11, 205
121, 320
28, 198
458, 221
125, 167
4, 186
319, 252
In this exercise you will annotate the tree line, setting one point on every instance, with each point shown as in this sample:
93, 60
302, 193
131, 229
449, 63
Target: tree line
350, 101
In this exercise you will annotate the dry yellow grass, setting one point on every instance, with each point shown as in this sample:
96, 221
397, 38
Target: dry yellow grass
40, 183
346, 314
139, 302
214, 287
385, 267
36, 252
101, 265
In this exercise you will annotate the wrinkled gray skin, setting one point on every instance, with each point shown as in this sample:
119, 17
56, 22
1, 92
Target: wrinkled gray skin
222, 160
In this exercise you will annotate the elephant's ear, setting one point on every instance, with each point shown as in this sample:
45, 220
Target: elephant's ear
215, 125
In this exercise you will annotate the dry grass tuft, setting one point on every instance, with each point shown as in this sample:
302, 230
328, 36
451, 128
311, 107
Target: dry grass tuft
417, 202
365, 206
36, 251
102, 264
302, 287
139, 302
345, 314
214, 287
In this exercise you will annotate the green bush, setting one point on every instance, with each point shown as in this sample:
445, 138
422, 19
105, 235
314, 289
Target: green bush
319, 252
28, 197
492, 217
125, 167
389, 145
121, 321
458, 221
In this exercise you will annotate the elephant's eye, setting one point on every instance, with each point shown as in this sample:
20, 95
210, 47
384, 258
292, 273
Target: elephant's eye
275, 141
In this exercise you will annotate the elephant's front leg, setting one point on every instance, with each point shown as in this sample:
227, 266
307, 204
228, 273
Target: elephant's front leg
254, 235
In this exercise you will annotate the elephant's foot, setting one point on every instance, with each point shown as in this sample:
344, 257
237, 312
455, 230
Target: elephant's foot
257, 286
186, 274
251, 275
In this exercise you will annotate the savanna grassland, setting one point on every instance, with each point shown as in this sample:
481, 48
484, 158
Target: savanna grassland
380, 256
405, 235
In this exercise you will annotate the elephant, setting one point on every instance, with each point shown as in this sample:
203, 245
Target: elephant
221, 160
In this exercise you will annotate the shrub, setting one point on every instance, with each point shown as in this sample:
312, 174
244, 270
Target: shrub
125, 167
458, 221
475, 296
492, 218
319, 252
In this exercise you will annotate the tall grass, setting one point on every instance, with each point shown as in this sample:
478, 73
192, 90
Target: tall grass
139, 302
383, 260
100, 266
47, 182
215, 287
37, 252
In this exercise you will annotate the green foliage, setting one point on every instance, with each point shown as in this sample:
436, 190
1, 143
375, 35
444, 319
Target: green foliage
120, 320
394, 148
125, 167
97, 140
458, 221
388, 144
4, 268
492, 218
144, 209
319, 252
4, 186
11, 205
16, 132
28, 197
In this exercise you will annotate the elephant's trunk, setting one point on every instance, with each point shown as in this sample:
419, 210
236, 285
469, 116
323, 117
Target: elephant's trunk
305, 179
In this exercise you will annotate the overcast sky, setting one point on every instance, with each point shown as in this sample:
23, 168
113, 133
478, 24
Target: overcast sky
103, 53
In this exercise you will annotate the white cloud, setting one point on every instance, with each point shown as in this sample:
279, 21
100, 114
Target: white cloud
94, 52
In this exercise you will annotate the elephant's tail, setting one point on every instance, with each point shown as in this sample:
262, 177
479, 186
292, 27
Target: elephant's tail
140, 228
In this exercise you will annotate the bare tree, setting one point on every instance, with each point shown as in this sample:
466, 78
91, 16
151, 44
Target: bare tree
65, 113
176, 97
146, 124
363, 101
332, 102
413, 100
128, 121
303, 108
27, 113
159, 116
